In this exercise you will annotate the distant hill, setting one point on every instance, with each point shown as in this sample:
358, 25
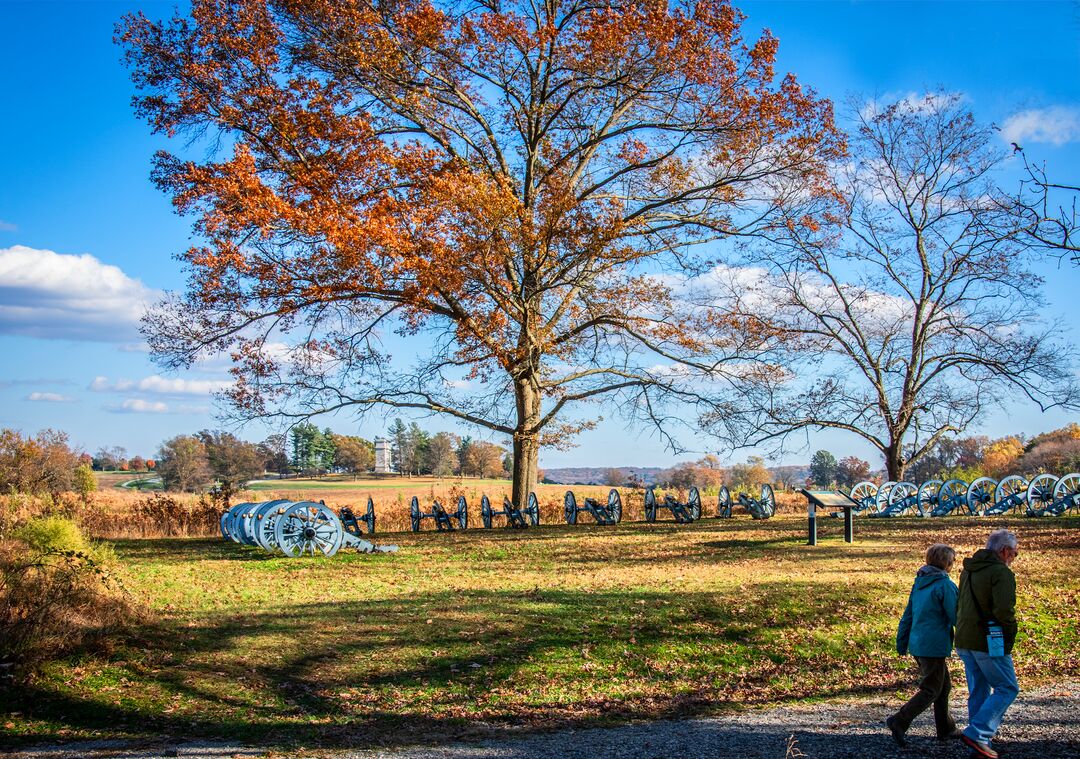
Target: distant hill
790, 475
594, 475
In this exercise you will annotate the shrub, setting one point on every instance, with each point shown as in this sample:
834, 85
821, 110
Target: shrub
57, 592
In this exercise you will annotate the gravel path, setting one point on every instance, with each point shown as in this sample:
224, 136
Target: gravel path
1042, 724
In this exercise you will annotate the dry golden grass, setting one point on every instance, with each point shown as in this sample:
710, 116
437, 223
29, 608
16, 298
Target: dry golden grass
115, 512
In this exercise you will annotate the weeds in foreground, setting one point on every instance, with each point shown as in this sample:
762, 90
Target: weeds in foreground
58, 594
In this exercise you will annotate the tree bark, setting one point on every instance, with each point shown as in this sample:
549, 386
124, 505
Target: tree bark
526, 440
894, 460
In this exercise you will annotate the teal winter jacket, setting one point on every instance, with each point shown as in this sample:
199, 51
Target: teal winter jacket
926, 629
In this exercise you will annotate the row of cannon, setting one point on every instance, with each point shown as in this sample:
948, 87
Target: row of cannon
299, 528
1042, 495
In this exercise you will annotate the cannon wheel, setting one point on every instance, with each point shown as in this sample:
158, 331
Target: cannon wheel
723, 502
265, 522
928, 496
650, 504
485, 512
462, 513
768, 501
414, 512
369, 515
881, 498
570, 507
694, 502
864, 494
1040, 492
902, 490
247, 528
228, 522
309, 527
614, 502
950, 490
1068, 487
1010, 486
533, 510
980, 493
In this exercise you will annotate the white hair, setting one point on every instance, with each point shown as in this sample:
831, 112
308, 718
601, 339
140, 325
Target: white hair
1000, 539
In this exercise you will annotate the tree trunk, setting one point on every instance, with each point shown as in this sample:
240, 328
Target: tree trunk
526, 441
894, 461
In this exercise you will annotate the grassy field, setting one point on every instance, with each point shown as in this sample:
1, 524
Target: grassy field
470, 632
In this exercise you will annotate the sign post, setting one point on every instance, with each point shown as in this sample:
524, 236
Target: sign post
829, 499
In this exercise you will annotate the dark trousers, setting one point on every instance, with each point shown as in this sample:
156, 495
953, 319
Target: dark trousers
934, 687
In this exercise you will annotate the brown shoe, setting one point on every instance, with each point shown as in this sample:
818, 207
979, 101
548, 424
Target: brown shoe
978, 748
955, 735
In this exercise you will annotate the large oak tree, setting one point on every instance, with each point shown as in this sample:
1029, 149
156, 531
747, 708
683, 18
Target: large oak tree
506, 179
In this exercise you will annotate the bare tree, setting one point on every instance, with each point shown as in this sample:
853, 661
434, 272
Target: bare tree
913, 313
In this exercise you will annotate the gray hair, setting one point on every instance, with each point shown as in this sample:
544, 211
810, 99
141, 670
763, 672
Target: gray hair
1001, 539
940, 555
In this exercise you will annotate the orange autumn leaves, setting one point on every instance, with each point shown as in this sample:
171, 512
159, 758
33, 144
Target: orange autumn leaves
513, 176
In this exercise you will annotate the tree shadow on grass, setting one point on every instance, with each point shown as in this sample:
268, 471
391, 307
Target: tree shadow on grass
425, 668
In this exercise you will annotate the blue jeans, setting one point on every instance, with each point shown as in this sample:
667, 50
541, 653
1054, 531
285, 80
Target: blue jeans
992, 687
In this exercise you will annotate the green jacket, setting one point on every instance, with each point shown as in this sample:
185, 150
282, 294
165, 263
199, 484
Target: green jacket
993, 584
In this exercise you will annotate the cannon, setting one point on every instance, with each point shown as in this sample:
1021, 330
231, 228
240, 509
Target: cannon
1010, 494
980, 494
762, 507
900, 497
608, 514
520, 518
950, 498
865, 495
352, 523
297, 528
1049, 496
684, 513
444, 521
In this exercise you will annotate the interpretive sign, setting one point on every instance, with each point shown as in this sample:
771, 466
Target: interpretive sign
828, 499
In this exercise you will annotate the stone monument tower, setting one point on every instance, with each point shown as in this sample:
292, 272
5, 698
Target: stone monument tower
382, 456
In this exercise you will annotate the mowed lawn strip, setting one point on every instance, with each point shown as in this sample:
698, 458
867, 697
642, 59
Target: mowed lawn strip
479, 630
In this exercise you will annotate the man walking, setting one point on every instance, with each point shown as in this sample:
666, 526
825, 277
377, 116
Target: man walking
985, 632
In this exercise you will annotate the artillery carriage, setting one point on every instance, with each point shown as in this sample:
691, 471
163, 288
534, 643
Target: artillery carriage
606, 514
684, 513
299, 528
519, 518
762, 507
444, 520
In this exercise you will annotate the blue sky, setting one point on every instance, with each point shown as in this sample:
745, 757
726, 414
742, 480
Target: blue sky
74, 166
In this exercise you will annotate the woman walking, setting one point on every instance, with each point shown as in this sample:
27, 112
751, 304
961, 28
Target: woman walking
926, 632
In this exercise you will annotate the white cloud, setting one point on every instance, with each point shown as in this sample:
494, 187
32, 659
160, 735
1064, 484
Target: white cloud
57, 296
139, 406
1056, 125
158, 385
927, 102
49, 397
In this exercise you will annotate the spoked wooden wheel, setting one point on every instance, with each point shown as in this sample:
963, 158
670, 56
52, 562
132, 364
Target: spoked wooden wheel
928, 497
309, 528
980, 494
694, 502
614, 502
1012, 492
1040, 492
881, 498
865, 494
900, 492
